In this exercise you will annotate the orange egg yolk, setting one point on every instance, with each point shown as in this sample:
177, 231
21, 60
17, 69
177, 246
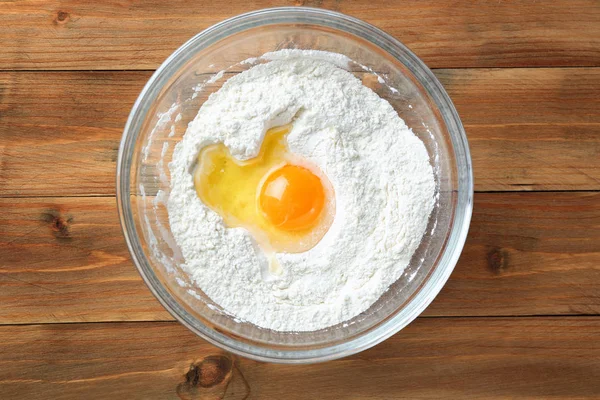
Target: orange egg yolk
292, 198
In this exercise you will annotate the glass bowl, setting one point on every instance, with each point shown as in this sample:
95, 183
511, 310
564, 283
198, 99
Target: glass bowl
171, 99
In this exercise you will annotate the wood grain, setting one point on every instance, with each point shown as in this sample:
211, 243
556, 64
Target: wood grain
527, 253
529, 129
60, 132
432, 358
64, 260
121, 34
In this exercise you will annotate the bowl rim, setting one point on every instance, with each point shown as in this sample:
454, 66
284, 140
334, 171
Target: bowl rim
330, 19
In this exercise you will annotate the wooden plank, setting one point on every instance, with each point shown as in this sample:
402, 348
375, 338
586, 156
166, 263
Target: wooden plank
487, 358
71, 34
64, 260
527, 253
528, 128
60, 132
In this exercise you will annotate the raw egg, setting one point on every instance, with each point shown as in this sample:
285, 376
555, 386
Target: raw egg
282, 199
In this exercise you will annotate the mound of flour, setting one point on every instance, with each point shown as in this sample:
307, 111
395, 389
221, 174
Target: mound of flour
379, 169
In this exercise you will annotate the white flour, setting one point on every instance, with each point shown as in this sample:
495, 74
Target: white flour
379, 169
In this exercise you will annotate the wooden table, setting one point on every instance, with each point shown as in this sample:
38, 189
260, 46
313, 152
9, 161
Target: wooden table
519, 318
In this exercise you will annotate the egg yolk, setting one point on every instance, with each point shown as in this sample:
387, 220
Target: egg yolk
284, 201
292, 198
